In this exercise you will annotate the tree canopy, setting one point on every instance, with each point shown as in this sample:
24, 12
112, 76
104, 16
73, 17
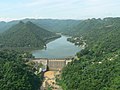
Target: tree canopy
15, 74
99, 63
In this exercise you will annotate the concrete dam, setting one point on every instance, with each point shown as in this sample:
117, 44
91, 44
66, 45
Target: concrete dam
53, 64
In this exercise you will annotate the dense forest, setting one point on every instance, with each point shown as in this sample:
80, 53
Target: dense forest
15, 74
27, 35
97, 66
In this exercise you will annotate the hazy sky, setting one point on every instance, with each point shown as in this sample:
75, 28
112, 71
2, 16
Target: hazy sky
60, 9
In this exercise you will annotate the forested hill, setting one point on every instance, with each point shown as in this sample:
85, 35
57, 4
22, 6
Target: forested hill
97, 66
96, 31
26, 35
2, 26
54, 25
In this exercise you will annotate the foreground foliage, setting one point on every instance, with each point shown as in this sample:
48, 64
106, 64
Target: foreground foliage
15, 74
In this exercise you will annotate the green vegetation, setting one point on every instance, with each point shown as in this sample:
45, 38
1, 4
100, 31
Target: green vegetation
26, 35
15, 74
2, 25
99, 63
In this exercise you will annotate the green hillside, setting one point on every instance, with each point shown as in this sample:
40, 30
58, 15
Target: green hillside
26, 35
2, 25
97, 66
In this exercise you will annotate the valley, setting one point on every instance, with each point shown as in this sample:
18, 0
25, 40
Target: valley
93, 44
59, 45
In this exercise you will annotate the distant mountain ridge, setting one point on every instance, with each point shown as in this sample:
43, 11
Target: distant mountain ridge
53, 25
26, 35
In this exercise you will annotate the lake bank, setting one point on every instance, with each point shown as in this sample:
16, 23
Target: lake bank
59, 48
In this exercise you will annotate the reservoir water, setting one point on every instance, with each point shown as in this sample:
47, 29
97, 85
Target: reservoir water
59, 48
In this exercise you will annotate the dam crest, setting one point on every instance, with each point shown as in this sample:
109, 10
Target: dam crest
53, 64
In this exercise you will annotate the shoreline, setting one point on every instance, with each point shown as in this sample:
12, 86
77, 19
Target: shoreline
52, 49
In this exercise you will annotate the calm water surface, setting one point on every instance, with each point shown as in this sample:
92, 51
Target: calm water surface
59, 48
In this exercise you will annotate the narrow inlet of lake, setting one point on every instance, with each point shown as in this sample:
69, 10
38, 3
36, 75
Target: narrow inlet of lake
59, 48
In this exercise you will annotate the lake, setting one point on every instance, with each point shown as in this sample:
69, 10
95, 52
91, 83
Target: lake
59, 48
